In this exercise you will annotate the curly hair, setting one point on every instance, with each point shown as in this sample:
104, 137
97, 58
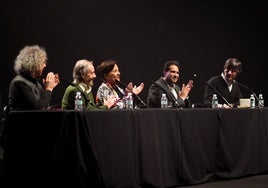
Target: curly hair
30, 59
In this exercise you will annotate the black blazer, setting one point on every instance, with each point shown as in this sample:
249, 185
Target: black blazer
155, 92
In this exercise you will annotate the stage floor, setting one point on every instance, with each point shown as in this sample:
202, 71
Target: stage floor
256, 181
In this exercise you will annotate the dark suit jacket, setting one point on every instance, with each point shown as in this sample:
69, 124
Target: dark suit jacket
155, 92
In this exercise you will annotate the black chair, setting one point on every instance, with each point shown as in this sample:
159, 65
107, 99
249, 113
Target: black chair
3, 125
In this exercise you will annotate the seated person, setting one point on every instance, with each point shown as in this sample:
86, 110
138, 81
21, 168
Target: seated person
26, 90
225, 84
83, 76
177, 97
108, 71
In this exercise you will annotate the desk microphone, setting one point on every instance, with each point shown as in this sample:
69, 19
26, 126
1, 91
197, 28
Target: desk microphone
194, 76
213, 88
66, 81
247, 88
125, 86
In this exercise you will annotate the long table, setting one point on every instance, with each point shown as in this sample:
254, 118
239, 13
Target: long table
134, 148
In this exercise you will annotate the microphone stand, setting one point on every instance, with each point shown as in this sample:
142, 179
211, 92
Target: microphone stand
125, 86
172, 97
248, 90
213, 88
66, 81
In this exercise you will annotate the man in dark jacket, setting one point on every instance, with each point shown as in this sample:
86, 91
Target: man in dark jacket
177, 97
224, 85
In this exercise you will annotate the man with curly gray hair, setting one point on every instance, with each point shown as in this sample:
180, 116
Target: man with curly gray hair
27, 90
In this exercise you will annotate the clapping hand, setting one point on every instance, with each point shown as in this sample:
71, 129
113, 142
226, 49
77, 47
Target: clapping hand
51, 81
110, 101
134, 89
185, 90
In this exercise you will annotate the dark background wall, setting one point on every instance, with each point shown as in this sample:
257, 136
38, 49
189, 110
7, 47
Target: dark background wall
141, 35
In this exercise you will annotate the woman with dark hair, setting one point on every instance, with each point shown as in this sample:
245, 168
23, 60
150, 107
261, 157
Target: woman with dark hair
108, 71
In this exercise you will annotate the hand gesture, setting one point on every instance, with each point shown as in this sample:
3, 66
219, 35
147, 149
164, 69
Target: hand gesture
110, 101
51, 81
134, 89
185, 90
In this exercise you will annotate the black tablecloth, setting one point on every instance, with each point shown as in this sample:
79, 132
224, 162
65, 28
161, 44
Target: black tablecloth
132, 148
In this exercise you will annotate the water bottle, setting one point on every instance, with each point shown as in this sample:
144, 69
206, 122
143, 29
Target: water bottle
78, 104
164, 101
261, 101
129, 101
252, 101
214, 102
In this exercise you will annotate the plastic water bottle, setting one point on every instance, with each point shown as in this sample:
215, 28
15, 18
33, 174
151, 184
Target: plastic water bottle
129, 101
164, 101
214, 102
78, 104
252, 101
261, 101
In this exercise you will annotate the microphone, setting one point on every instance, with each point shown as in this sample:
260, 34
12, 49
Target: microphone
125, 86
70, 83
66, 81
194, 76
120, 83
247, 89
213, 88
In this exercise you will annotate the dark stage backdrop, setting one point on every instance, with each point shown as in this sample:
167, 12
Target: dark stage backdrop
141, 35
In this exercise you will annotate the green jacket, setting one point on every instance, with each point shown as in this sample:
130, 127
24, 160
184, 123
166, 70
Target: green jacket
68, 99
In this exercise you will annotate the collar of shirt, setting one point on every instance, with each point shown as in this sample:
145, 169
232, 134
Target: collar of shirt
173, 91
230, 85
85, 87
